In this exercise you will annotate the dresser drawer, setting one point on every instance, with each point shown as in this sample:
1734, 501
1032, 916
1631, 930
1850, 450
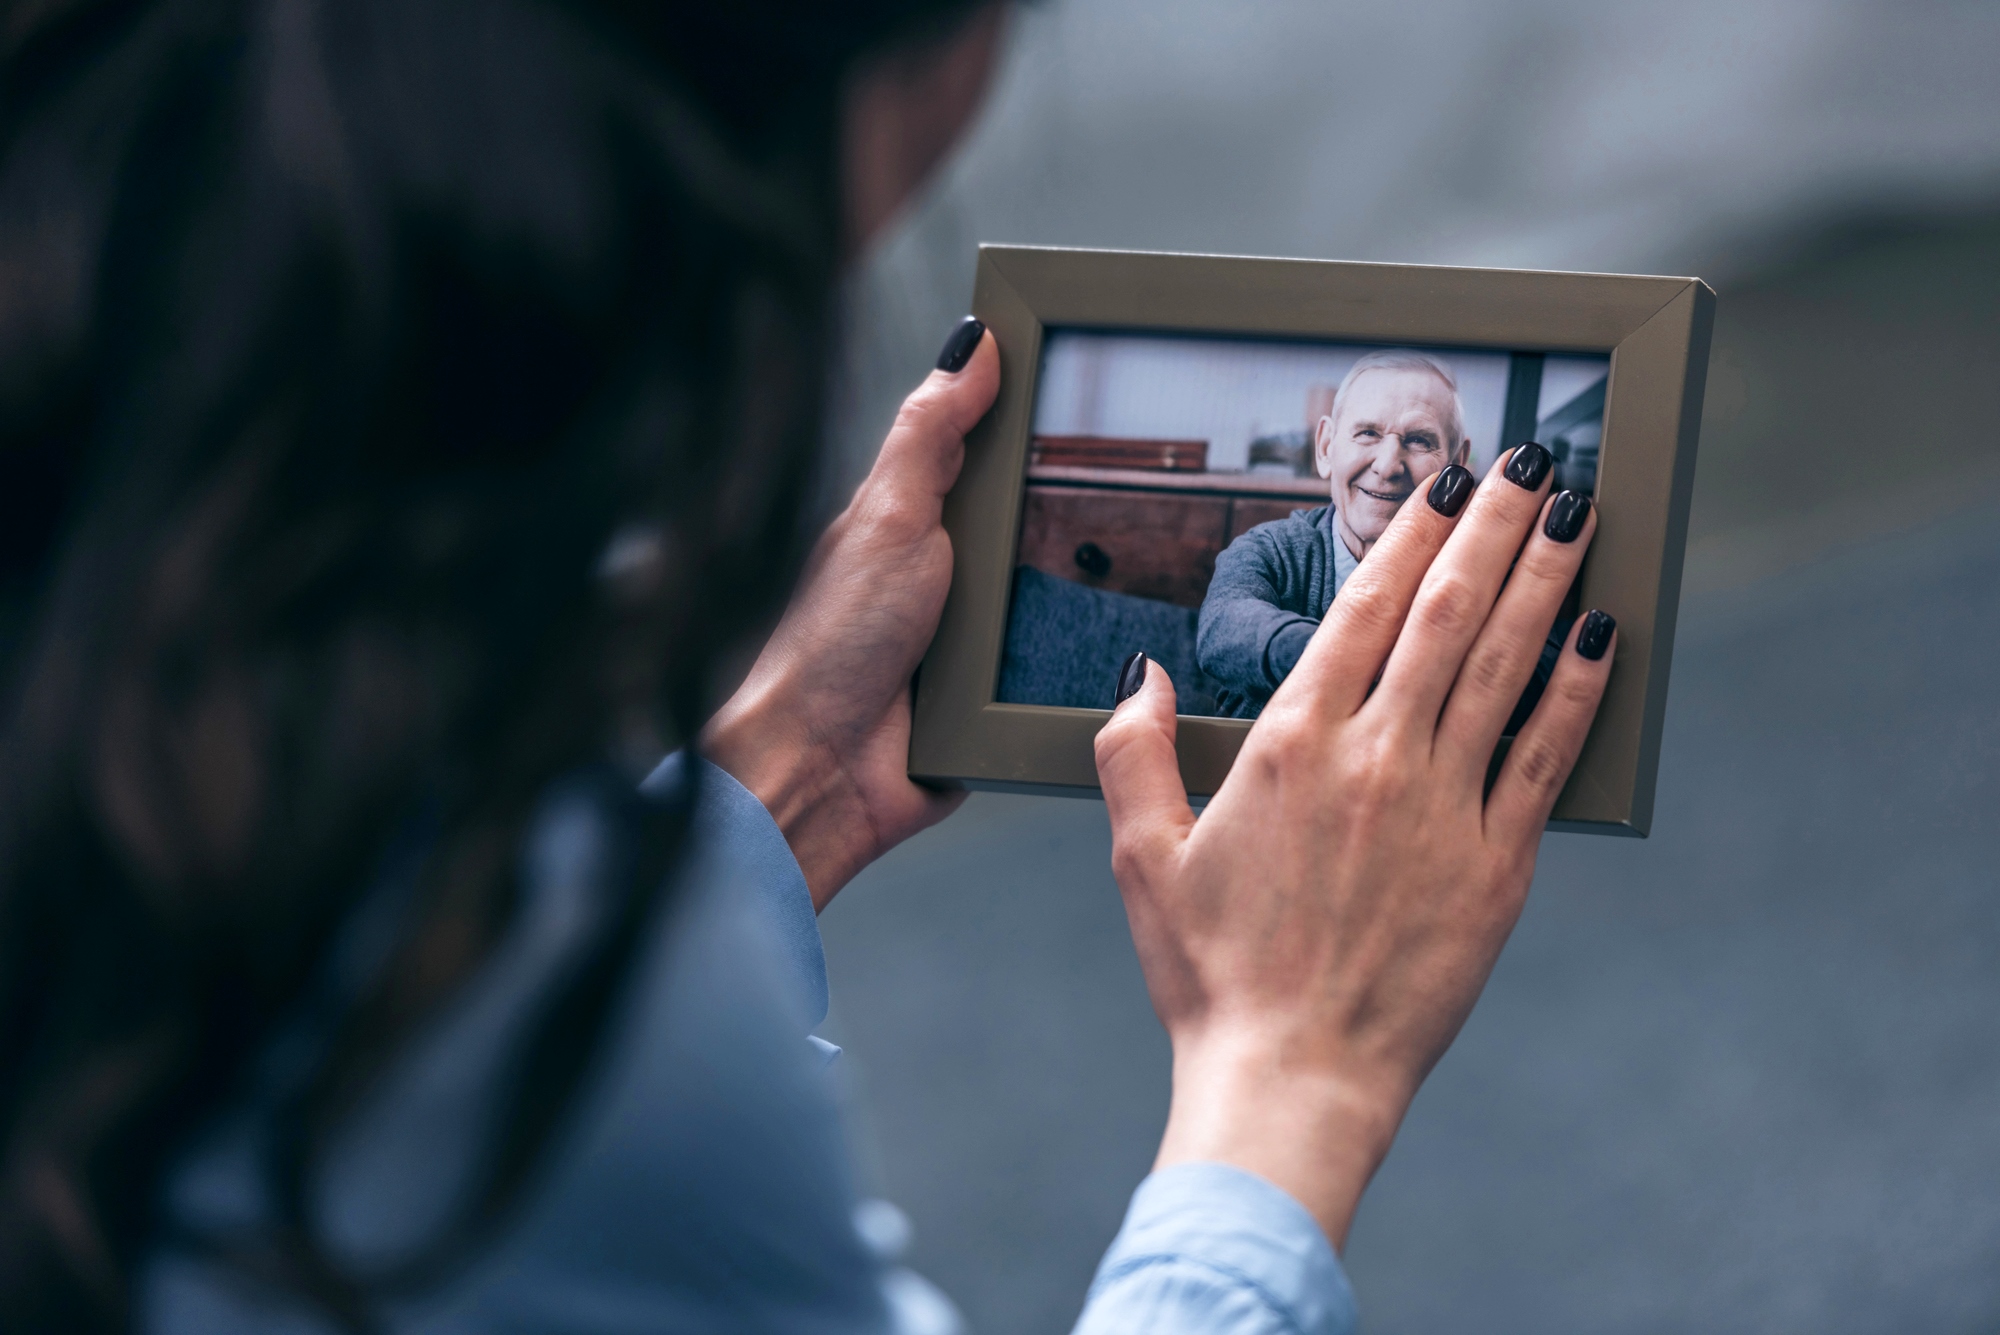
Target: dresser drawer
1152, 544
1246, 512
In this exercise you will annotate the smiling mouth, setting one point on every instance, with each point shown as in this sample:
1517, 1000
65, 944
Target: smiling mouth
1387, 497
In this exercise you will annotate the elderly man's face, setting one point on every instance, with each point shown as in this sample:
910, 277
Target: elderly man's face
1390, 437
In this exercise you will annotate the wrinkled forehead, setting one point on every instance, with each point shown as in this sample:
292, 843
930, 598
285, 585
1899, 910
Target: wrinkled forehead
1397, 391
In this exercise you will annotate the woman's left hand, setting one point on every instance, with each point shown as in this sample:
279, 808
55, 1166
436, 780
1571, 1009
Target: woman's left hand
820, 730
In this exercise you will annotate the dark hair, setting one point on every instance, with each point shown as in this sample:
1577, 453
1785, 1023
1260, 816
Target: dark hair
339, 345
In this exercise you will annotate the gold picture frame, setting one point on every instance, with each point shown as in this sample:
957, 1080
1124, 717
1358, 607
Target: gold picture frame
1655, 330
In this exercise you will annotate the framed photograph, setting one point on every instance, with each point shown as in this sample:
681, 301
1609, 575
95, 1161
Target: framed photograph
1190, 453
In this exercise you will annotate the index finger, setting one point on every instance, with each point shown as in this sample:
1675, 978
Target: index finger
1346, 654
1458, 591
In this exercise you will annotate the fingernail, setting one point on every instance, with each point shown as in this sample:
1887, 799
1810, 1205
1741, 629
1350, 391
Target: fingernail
1566, 516
1449, 490
1529, 466
958, 348
1131, 676
1595, 637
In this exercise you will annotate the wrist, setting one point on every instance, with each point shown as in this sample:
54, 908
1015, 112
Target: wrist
798, 783
1316, 1128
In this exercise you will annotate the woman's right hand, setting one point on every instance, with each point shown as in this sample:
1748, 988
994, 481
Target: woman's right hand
1315, 939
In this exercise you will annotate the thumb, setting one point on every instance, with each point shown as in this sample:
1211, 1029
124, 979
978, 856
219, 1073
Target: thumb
924, 449
1141, 774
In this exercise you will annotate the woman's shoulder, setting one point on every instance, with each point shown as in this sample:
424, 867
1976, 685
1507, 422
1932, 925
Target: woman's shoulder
705, 1137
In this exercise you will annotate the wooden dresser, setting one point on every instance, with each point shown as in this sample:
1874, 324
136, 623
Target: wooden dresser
1153, 532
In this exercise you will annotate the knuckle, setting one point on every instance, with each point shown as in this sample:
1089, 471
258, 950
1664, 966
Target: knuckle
1545, 572
1128, 864
893, 513
1266, 758
1122, 730
931, 413
921, 412
1488, 669
1450, 608
1107, 744
1380, 769
897, 513
1575, 692
1548, 560
1366, 604
1543, 765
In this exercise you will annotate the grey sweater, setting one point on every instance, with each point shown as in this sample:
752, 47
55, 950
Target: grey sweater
1271, 587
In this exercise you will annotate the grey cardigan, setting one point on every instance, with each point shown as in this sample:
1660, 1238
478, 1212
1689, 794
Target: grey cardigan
1271, 588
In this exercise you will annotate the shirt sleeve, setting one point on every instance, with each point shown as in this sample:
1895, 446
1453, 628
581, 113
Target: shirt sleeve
1209, 1248
1245, 639
738, 843
1286, 647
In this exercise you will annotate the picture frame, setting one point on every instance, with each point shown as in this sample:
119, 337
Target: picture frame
1655, 331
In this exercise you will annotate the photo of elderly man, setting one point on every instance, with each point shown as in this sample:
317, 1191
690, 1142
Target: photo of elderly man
1395, 421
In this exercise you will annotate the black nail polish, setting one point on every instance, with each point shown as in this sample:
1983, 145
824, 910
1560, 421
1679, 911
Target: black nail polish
958, 348
1449, 490
1595, 637
1131, 676
1566, 516
1529, 466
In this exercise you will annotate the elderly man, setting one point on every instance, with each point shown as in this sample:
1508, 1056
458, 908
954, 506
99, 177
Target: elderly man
1394, 424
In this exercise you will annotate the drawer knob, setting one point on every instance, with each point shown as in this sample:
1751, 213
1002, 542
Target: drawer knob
1093, 560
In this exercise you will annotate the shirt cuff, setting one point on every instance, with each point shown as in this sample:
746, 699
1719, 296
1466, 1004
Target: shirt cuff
1250, 1241
735, 841
1284, 649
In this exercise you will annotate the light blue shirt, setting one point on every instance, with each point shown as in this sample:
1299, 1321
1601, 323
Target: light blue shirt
701, 1182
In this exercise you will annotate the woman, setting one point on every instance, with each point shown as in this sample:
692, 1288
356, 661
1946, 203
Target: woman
409, 408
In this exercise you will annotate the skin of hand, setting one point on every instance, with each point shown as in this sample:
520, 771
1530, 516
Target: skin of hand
820, 730
1314, 941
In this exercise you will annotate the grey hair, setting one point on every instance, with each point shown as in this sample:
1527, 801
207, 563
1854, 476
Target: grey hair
1406, 359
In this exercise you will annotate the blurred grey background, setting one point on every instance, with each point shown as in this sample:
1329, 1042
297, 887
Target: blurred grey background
1744, 1075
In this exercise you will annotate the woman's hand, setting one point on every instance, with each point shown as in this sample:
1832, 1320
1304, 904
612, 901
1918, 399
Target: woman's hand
820, 730
1314, 941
